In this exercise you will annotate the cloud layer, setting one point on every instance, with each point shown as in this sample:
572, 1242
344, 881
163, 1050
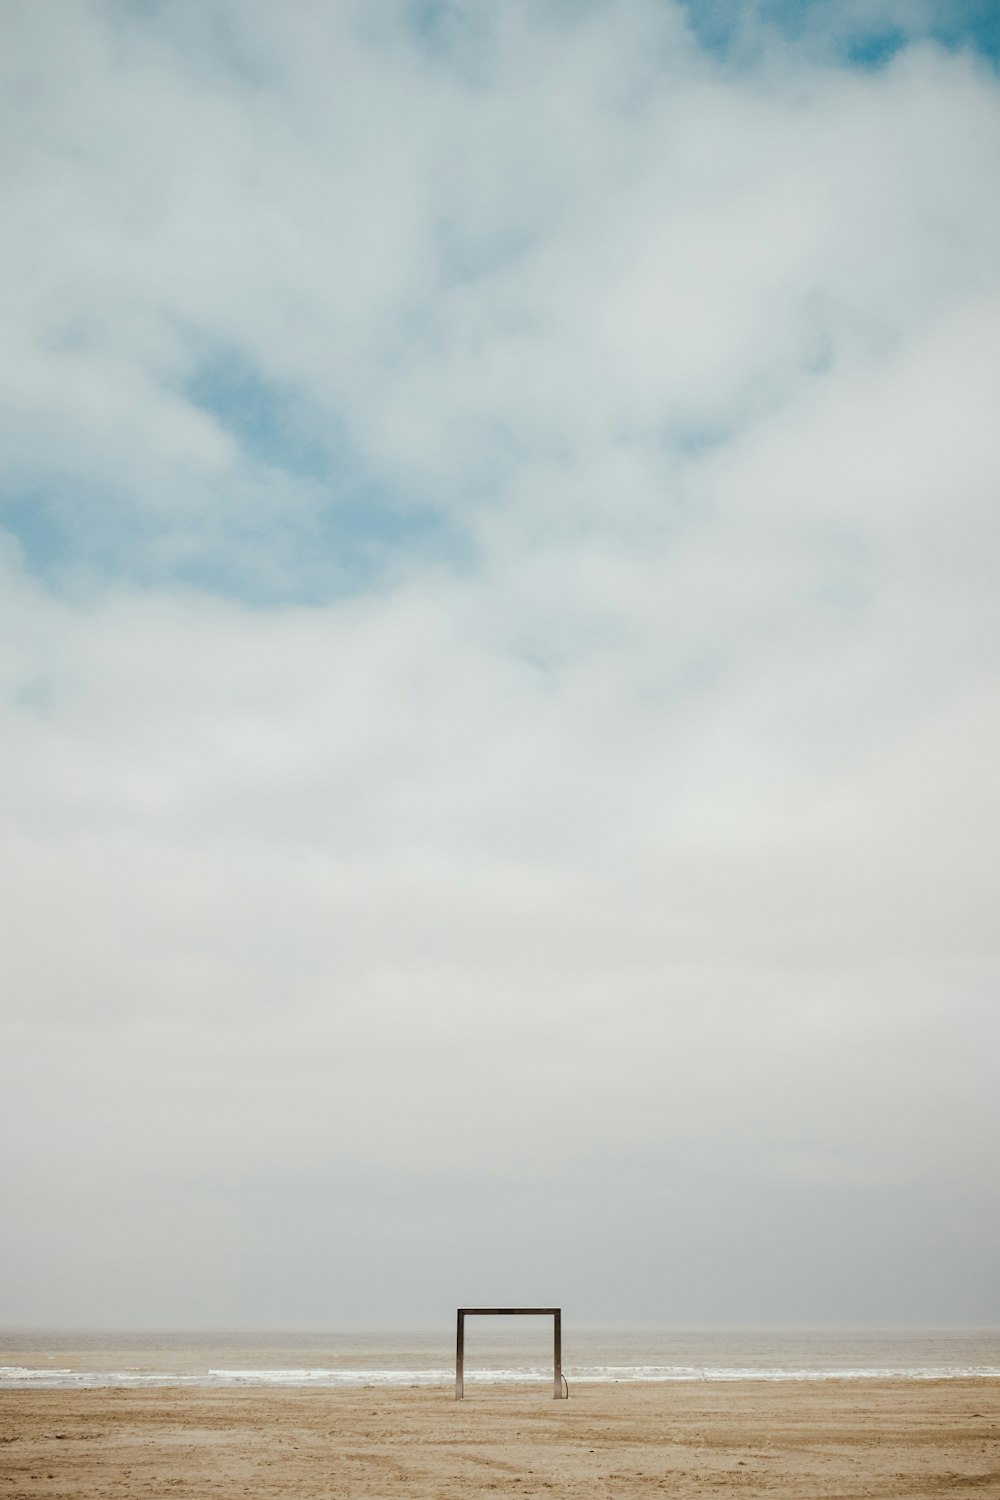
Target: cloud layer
498, 674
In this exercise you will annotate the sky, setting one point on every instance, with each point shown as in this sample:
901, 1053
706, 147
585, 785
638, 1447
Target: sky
499, 642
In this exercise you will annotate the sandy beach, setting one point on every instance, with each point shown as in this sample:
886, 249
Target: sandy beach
835, 1438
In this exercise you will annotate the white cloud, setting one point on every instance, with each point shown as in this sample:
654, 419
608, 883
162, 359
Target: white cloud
654, 831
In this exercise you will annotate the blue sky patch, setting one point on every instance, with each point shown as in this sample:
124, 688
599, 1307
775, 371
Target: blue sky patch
869, 37
358, 540
349, 549
315, 523
263, 416
44, 542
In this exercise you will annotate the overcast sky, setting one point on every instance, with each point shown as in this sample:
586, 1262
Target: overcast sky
499, 701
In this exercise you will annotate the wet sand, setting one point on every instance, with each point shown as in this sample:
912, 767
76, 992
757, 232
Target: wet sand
917, 1439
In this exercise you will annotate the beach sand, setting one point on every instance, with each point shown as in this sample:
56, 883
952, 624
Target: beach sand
916, 1439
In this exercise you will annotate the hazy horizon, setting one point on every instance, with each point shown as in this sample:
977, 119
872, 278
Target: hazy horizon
447, 1328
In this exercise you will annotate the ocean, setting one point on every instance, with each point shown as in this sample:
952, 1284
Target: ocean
498, 1351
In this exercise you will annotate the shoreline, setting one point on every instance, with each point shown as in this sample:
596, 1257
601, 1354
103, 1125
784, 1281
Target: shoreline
846, 1437
267, 1382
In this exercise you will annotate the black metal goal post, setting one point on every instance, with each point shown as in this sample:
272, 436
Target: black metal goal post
555, 1313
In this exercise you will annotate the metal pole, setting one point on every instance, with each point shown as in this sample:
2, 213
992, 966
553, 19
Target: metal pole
557, 1337
460, 1356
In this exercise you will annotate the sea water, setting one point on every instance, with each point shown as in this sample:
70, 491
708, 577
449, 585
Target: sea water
497, 1351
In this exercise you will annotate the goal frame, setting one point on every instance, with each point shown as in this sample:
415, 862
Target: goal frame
555, 1313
